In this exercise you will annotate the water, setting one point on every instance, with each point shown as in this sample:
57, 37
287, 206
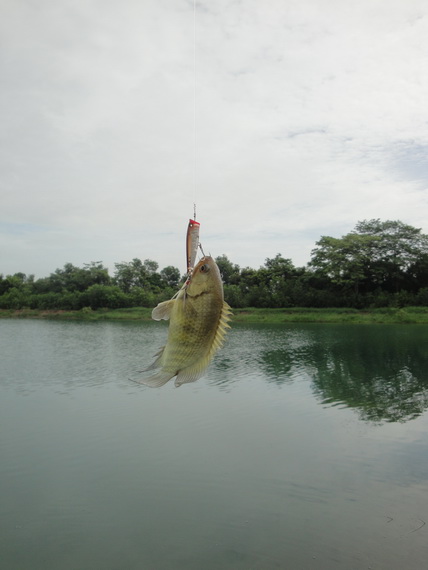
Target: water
304, 447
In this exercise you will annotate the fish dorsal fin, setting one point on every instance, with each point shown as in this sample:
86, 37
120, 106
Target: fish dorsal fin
194, 372
163, 310
223, 325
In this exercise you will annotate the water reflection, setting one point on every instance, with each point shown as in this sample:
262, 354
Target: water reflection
380, 371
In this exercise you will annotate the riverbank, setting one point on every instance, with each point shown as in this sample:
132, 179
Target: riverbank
388, 315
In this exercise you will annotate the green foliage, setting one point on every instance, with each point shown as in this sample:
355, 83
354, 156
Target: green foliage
12, 299
72, 278
422, 297
140, 297
136, 273
229, 272
377, 255
99, 296
130, 275
377, 265
170, 276
233, 296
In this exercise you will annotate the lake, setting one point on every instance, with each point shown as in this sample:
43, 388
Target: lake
303, 447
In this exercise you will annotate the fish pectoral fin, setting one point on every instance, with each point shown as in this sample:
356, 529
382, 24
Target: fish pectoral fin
157, 380
163, 310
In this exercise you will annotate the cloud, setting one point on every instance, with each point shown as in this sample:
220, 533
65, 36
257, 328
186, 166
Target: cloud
309, 117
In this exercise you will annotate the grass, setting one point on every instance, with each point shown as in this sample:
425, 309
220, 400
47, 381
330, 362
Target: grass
333, 315
85, 314
387, 315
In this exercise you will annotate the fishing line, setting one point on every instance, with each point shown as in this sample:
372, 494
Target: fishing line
194, 109
192, 236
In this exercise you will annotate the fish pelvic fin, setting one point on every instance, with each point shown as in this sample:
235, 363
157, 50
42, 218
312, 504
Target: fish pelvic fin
157, 380
157, 363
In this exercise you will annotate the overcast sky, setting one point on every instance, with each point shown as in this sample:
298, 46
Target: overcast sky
310, 115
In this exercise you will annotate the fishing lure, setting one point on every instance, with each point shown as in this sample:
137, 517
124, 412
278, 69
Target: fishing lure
192, 243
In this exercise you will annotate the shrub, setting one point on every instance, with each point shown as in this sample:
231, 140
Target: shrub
99, 296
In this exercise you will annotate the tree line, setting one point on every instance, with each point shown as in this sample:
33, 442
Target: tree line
378, 264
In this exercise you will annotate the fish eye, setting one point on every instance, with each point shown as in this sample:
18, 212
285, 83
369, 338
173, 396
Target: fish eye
205, 268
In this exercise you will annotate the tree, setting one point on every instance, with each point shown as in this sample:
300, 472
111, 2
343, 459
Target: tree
229, 271
418, 273
137, 274
345, 260
11, 281
396, 249
72, 278
98, 296
374, 255
131, 274
150, 266
96, 274
170, 276
278, 266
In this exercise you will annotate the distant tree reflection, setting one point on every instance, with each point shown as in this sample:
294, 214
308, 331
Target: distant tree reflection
381, 371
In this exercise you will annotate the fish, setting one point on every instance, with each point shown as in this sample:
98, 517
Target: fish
199, 318
192, 243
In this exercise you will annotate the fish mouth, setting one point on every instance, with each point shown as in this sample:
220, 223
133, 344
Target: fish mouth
197, 294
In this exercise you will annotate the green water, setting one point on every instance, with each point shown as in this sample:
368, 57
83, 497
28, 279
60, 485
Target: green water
304, 447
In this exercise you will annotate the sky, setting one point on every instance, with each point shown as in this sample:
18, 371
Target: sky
282, 120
